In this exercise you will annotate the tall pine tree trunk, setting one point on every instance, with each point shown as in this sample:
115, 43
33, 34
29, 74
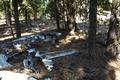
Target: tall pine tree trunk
26, 17
16, 17
57, 18
65, 15
8, 17
8, 14
71, 23
35, 15
113, 40
71, 19
92, 29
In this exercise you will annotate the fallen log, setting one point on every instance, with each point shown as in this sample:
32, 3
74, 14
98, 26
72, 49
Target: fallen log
38, 37
47, 58
55, 54
26, 40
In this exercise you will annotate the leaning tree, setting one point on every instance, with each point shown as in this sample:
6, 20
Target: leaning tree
113, 40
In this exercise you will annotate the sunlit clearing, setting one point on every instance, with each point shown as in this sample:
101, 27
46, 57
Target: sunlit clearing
81, 35
116, 65
10, 37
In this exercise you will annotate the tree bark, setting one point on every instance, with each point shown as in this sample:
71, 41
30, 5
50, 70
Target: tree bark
57, 18
113, 40
71, 22
35, 15
16, 17
92, 29
26, 17
8, 17
8, 14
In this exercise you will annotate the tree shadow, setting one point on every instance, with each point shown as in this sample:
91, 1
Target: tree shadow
80, 67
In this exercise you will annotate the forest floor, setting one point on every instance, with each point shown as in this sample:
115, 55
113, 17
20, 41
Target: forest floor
77, 66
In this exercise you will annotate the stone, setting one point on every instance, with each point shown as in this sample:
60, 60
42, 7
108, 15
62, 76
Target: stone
3, 62
48, 64
29, 63
47, 78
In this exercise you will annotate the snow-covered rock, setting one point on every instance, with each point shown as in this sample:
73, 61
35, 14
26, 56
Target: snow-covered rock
48, 64
9, 75
29, 63
47, 78
18, 47
3, 62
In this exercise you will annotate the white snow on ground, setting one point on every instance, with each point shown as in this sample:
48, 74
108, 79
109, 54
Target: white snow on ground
9, 75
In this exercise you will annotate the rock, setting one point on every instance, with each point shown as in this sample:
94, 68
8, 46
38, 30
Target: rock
47, 78
3, 62
18, 47
29, 63
31, 52
48, 64
31, 78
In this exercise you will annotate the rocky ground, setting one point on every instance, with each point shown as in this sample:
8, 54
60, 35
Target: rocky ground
72, 67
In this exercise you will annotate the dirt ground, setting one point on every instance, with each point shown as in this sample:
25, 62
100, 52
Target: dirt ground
77, 66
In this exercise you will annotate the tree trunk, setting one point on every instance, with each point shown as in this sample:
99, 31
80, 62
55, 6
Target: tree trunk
8, 14
35, 15
16, 17
92, 29
71, 23
57, 18
8, 17
26, 17
64, 16
113, 40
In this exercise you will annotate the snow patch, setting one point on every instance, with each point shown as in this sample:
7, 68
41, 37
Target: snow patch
9, 75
